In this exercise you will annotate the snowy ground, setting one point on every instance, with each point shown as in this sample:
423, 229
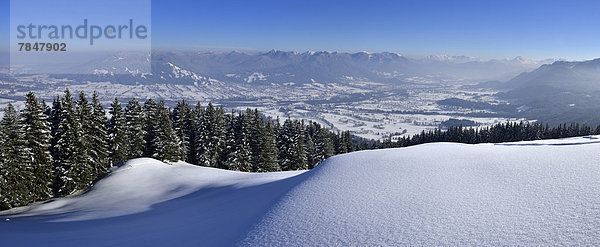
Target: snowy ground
149, 203
524, 193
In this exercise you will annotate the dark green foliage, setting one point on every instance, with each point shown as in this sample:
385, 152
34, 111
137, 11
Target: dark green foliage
254, 127
37, 136
16, 173
97, 133
71, 160
292, 150
265, 152
85, 115
269, 153
135, 129
151, 116
343, 143
237, 145
184, 121
350, 146
323, 144
210, 137
502, 132
166, 144
118, 138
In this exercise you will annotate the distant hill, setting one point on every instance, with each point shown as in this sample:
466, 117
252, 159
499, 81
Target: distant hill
557, 92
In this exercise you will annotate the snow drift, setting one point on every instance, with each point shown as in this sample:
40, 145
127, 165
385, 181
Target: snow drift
150, 203
523, 193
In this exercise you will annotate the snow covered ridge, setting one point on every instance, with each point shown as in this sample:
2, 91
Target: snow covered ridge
523, 193
141, 183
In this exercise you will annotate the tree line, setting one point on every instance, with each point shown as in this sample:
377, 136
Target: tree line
58, 150
501, 132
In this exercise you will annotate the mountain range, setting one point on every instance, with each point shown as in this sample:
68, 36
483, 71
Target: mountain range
187, 67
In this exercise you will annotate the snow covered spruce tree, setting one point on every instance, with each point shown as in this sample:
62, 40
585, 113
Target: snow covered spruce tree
150, 124
269, 153
292, 152
117, 130
99, 139
210, 138
263, 144
166, 143
347, 142
237, 156
309, 147
183, 123
196, 132
16, 174
70, 151
84, 115
323, 144
254, 129
135, 131
37, 136
230, 143
301, 146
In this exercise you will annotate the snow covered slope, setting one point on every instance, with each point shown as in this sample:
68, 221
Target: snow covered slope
150, 203
527, 193
524, 193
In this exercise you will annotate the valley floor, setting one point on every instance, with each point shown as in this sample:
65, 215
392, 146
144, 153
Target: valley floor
523, 193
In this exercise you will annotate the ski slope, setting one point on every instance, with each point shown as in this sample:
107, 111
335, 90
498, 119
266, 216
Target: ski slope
523, 193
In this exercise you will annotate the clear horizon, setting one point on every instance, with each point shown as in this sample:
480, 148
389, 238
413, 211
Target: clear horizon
506, 29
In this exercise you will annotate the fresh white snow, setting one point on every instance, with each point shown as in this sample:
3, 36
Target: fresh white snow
526, 193
150, 203
522, 193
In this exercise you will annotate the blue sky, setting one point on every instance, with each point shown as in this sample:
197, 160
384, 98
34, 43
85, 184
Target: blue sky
535, 29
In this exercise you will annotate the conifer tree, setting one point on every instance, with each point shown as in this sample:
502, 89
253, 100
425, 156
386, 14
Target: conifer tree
136, 133
85, 122
309, 145
285, 142
151, 114
292, 153
4, 203
197, 133
15, 172
238, 158
301, 145
71, 162
219, 134
166, 143
340, 144
98, 135
117, 134
268, 161
348, 142
229, 154
54, 120
323, 145
37, 136
211, 137
182, 122
255, 130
